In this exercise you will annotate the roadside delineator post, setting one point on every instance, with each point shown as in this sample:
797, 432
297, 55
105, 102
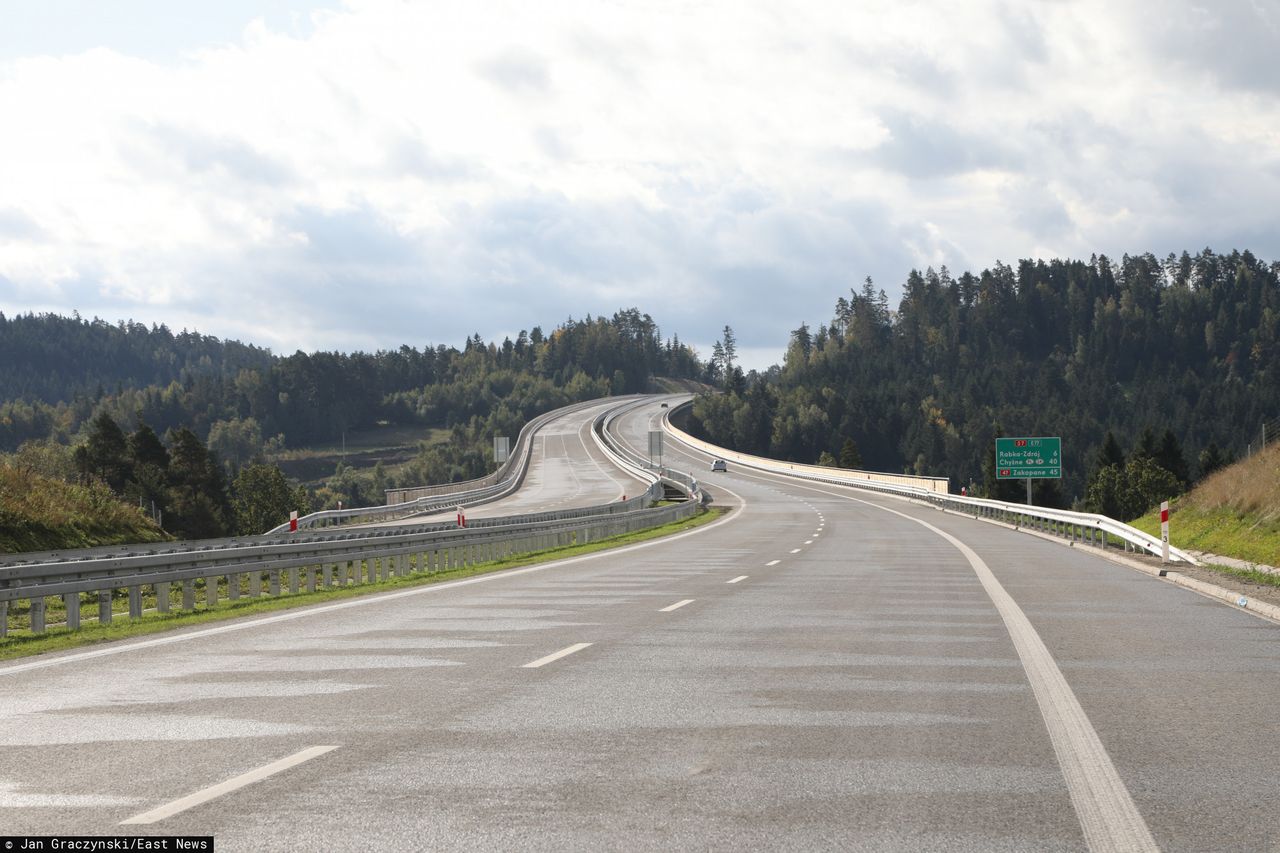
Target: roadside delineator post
293, 521
1164, 531
462, 518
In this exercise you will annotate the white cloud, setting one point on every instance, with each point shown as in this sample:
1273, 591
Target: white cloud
399, 172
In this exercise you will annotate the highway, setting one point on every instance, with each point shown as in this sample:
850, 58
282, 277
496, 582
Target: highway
822, 668
566, 470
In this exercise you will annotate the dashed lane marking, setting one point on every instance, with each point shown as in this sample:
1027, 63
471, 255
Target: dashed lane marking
244, 779
555, 656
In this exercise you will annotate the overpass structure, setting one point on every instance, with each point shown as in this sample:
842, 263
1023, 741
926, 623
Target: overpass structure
829, 665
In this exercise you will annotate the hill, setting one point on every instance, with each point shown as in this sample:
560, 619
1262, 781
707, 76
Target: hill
54, 359
1235, 512
1188, 346
39, 513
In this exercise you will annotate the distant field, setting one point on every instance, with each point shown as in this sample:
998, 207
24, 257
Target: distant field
393, 446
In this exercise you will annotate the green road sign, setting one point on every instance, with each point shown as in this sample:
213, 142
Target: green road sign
1024, 458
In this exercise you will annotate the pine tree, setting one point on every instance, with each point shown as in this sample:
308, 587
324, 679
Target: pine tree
849, 455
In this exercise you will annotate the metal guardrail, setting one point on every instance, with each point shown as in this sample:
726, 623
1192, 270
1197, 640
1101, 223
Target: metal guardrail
1084, 527
680, 479
844, 475
235, 568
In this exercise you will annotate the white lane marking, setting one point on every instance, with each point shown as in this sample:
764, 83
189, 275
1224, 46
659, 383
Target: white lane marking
808, 541
1106, 811
302, 613
622, 487
773, 562
576, 647
738, 578
677, 605
795, 550
1109, 817
201, 797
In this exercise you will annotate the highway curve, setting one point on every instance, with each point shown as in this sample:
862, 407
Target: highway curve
817, 670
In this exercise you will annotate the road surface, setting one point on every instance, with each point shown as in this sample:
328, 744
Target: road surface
817, 670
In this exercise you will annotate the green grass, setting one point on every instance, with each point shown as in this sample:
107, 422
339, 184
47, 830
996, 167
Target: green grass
1250, 575
1222, 530
22, 643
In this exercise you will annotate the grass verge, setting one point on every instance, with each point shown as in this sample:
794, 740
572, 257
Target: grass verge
1222, 530
24, 644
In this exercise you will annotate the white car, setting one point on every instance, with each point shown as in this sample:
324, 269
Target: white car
719, 465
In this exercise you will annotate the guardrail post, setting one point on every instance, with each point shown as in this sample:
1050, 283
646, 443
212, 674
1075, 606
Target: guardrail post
255, 583
37, 615
4, 618
311, 578
293, 580
104, 607
72, 601
326, 572
273, 577
162, 596
233, 587
189, 594
211, 590
135, 602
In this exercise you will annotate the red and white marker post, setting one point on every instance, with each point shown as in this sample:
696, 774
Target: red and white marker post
293, 521
462, 518
1164, 531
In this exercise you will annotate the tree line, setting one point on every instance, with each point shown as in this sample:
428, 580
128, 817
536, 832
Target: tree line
191, 448
197, 382
1179, 353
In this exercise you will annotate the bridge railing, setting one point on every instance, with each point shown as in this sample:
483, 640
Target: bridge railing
1083, 527
279, 565
422, 500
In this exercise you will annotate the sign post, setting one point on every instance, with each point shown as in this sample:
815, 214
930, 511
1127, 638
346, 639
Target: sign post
655, 446
1164, 531
1028, 459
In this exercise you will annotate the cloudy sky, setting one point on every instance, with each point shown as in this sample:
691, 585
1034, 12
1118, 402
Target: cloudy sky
358, 174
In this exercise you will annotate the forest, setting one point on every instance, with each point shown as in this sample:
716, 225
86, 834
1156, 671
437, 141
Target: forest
1175, 360
180, 424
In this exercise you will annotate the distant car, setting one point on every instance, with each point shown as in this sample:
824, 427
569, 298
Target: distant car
719, 465
664, 405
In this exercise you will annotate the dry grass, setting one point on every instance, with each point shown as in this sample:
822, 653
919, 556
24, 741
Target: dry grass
1234, 512
1250, 487
38, 513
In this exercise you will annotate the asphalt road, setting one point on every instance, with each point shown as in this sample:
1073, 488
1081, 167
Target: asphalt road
818, 670
566, 470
